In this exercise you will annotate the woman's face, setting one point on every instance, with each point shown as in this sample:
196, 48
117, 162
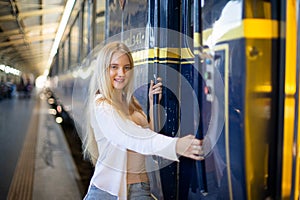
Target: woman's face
120, 70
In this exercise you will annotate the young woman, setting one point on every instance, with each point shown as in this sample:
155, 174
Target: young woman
119, 135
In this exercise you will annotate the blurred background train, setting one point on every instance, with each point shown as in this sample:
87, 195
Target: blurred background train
243, 54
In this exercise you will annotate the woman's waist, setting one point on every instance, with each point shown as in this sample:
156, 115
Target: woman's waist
137, 178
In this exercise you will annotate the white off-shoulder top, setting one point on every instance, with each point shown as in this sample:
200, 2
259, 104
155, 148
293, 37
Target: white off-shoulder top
114, 135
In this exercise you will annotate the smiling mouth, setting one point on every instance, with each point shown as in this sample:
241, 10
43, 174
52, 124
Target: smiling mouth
120, 80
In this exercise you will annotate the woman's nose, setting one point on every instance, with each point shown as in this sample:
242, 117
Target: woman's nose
121, 71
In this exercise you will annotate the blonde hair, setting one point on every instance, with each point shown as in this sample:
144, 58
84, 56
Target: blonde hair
100, 83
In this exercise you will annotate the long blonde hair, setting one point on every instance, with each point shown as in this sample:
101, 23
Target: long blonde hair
101, 83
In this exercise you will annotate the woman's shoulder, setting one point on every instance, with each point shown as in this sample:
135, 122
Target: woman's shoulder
100, 100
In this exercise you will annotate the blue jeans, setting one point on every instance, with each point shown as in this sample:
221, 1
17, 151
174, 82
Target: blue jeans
139, 191
136, 191
95, 193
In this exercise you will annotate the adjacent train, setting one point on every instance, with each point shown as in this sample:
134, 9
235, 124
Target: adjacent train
231, 77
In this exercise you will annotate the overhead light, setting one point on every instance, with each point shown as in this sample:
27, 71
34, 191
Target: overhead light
61, 29
10, 70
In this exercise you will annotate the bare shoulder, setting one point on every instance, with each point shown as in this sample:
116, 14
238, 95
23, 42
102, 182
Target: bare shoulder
99, 101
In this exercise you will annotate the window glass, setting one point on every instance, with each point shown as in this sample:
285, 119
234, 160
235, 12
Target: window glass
86, 43
66, 54
74, 49
100, 21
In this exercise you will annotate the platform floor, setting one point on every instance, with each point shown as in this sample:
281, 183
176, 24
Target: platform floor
36, 162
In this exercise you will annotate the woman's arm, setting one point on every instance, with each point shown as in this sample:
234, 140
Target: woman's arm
127, 134
154, 89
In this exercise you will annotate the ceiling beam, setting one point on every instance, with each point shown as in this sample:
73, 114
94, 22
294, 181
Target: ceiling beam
33, 13
28, 40
25, 51
28, 29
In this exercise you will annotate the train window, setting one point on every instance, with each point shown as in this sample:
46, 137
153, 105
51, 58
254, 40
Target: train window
259, 9
75, 54
66, 54
60, 60
188, 20
70, 52
100, 21
211, 12
85, 30
87, 26
56, 65
191, 26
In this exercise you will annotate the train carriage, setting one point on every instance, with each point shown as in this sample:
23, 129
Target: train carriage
231, 77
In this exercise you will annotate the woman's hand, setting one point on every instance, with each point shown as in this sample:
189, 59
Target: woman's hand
190, 147
155, 89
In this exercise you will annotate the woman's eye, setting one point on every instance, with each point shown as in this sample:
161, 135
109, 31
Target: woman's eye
113, 67
127, 68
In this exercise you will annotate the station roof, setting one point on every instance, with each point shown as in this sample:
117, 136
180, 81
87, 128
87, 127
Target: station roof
27, 32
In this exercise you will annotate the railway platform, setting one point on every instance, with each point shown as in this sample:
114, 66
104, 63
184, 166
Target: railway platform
36, 161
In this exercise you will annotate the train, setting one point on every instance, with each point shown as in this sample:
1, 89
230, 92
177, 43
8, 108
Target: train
230, 70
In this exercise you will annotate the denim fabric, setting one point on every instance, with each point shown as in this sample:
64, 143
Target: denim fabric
139, 191
95, 193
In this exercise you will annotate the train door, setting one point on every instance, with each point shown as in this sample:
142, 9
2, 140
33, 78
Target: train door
192, 182
174, 61
206, 74
257, 152
243, 160
239, 167
166, 63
